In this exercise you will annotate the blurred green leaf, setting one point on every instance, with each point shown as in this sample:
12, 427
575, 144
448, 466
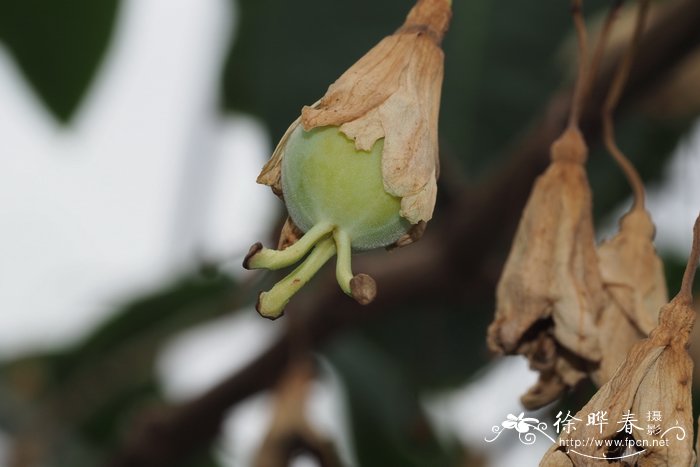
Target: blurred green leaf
436, 345
388, 425
97, 386
58, 44
286, 54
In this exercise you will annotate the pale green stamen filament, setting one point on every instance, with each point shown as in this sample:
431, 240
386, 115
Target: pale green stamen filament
276, 259
272, 303
343, 267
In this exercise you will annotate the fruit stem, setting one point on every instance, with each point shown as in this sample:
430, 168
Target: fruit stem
266, 258
271, 304
360, 287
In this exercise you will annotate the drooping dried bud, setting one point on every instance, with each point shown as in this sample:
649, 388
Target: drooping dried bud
655, 377
384, 108
551, 282
633, 275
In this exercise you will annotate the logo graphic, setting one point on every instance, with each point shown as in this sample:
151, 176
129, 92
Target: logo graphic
623, 445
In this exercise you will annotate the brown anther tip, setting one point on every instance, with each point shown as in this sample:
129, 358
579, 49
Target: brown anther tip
254, 249
262, 313
363, 289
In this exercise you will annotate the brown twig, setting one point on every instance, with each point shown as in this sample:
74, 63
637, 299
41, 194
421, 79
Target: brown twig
611, 101
602, 41
432, 267
689, 274
583, 65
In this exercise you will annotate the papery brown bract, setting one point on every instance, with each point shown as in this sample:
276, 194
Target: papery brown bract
551, 277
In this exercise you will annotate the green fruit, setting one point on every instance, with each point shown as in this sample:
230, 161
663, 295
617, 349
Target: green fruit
326, 180
335, 194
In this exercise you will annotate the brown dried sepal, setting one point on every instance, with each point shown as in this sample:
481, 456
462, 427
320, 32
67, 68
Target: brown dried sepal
392, 92
414, 234
551, 274
289, 234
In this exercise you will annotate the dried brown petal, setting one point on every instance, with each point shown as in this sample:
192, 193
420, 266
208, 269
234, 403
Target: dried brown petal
617, 335
551, 274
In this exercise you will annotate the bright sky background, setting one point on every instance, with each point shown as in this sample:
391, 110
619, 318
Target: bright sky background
148, 178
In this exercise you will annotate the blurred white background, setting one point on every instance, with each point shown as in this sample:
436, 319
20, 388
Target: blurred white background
125, 198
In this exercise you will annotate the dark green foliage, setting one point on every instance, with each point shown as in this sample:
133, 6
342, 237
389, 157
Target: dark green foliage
388, 424
58, 44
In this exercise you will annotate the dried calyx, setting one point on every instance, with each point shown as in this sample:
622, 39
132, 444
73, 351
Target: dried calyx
358, 170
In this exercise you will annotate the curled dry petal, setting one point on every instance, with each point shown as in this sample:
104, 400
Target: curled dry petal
551, 278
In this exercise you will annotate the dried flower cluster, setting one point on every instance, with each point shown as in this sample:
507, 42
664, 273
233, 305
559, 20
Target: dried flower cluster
572, 308
576, 309
656, 375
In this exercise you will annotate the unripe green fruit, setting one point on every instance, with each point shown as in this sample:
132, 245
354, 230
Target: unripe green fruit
325, 180
335, 194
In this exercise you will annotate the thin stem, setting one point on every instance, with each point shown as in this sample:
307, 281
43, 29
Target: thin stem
272, 303
582, 40
265, 258
343, 264
613, 97
602, 43
689, 275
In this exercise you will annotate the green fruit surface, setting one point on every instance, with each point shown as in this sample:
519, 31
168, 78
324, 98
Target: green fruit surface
325, 179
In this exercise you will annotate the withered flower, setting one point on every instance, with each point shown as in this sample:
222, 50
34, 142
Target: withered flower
551, 283
358, 169
654, 378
